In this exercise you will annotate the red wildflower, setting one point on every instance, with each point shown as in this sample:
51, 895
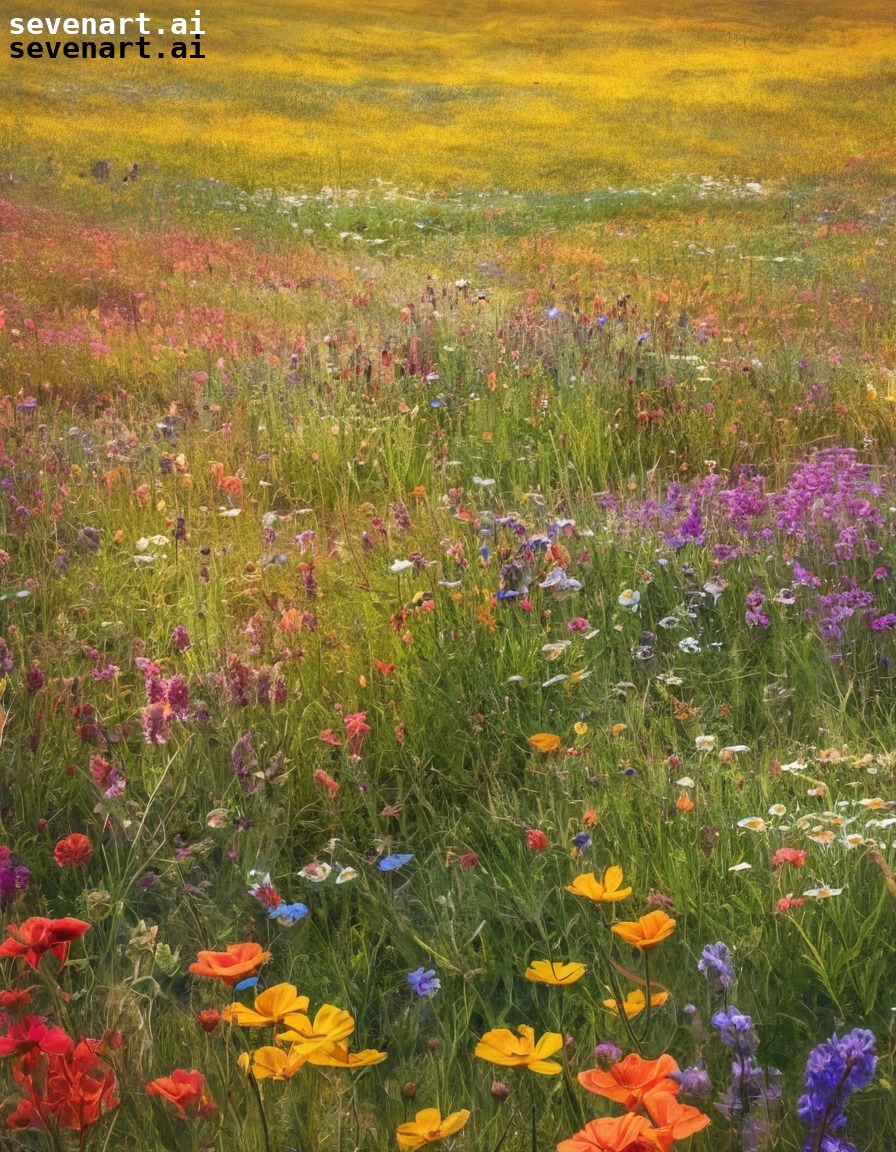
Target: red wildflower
208, 1019
11, 999
72, 1088
329, 785
795, 856
386, 669
329, 737
31, 1034
186, 1091
536, 839
787, 902
32, 938
74, 851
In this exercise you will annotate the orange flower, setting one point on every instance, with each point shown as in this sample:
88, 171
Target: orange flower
32, 938
428, 1127
544, 742
631, 1079
681, 1120
231, 966
635, 1003
646, 932
618, 1134
186, 1091
601, 891
684, 803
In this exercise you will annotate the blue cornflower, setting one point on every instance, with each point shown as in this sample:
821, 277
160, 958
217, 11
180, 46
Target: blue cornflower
249, 982
288, 913
715, 964
394, 862
582, 841
424, 983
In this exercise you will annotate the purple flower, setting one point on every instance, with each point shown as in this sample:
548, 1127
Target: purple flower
180, 638
424, 983
607, 1053
715, 964
694, 1082
835, 1070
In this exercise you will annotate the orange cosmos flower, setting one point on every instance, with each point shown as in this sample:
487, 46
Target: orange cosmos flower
631, 1079
428, 1127
618, 1134
601, 891
186, 1091
646, 932
681, 1120
274, 1007
544, 742
500, 1046
232, 965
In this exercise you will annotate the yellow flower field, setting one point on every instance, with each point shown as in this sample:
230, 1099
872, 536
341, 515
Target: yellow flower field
518, 94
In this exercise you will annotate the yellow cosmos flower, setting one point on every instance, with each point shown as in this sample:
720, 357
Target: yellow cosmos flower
580, 728
272, 1063
646, 932
274, 1007
330, 1026
428, 1127
547, 972
500, 1046
601, 891
544, 742
336, 1056
636, 1002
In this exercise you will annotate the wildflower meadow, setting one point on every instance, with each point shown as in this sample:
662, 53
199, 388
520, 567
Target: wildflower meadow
448, 586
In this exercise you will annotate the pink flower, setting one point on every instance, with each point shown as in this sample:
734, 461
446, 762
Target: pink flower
578, 624
329, 737
356, 729
795, 856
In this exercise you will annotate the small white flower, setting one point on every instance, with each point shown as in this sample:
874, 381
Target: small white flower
689, 644
489, 483
555, 680
777, 810
823, 893
629, 600
737, 748
742, 867
230, 513
400, 566
685, 782
752, 823
704, 743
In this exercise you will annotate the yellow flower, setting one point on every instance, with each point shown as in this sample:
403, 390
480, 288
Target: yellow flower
602, 891
580, 728
544, 742
272, 1063
547, 972
428, 1127
500, 1046
636, 1002
331, 1025
646, 932
337, 1056
274, 1006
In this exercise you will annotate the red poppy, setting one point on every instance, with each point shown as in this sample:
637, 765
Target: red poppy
186, 1091
208, 1019
537, 839
629, 1081
74, 851
32, 938
32, 1034
71, 1088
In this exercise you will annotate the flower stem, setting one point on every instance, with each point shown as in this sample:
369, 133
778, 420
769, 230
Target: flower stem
264, 1120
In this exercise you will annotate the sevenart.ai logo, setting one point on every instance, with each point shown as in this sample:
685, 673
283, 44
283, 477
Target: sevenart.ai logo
103, 38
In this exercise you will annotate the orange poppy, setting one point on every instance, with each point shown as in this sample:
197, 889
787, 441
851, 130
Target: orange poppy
544, 742
618, 1134
232, 965
681, 1120
631, 1079
646, 932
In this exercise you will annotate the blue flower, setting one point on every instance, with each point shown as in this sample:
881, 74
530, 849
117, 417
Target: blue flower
424, 983
394, 862
249, 982
288, 913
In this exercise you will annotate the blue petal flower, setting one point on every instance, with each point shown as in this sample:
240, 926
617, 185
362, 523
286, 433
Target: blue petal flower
394, 862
